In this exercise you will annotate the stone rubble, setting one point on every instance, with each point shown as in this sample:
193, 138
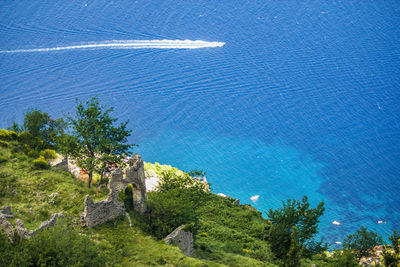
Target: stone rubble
20, 230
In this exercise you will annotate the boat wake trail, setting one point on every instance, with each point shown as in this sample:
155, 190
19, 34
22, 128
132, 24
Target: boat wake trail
127, 44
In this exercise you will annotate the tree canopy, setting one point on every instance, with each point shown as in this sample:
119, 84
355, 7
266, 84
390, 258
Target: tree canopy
292, 226
362, 242
96, 143
40, 125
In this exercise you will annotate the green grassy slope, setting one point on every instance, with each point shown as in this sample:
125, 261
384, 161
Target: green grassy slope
36, 194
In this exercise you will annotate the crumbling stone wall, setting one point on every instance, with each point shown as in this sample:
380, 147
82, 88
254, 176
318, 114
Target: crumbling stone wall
96, 213
181, 238
19, 228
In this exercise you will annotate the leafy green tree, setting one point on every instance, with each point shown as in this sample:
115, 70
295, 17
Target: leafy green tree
395, 239
295, 250
292, 226
96, 143
362, 242
40, 125
391, 254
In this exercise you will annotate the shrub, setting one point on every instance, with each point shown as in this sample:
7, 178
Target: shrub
31, 141
62, 246
169, 209
171, 179
33, 153
8, 135
343, 258
3, 159
25, 137
48, 154
391, 254
40, 164
4, 143
12, 254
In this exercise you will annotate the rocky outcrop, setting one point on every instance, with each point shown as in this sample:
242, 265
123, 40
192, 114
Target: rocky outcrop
96, 213
181, 238
20, 230
60, 163
6, 211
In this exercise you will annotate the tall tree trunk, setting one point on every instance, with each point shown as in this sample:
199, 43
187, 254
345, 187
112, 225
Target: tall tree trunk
90, 178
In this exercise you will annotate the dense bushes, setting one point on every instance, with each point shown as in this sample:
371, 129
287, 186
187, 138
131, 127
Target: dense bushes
221, 227
8, 135
28, 144
170, 209
57, 246
48, 154
4, 143
292, 228
39, 125
40, 164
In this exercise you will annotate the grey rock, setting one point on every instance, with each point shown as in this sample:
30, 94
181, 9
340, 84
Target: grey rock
20, 229
7, 227
6, 210
51, 222
52, 197
60, 163
47, 224
96, 213
181, 238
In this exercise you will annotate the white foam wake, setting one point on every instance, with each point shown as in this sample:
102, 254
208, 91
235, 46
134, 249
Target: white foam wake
127, 44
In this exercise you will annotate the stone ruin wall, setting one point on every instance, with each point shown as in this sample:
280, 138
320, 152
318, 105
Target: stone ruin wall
96, 213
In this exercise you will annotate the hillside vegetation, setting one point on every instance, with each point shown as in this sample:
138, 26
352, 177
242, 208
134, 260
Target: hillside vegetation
34, 195
225, 233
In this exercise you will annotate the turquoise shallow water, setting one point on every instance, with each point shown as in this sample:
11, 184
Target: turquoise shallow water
302, 99
243, 168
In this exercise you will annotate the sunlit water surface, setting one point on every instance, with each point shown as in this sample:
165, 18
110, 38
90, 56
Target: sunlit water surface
303, 99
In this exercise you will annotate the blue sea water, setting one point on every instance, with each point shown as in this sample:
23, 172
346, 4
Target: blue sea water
303, 99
